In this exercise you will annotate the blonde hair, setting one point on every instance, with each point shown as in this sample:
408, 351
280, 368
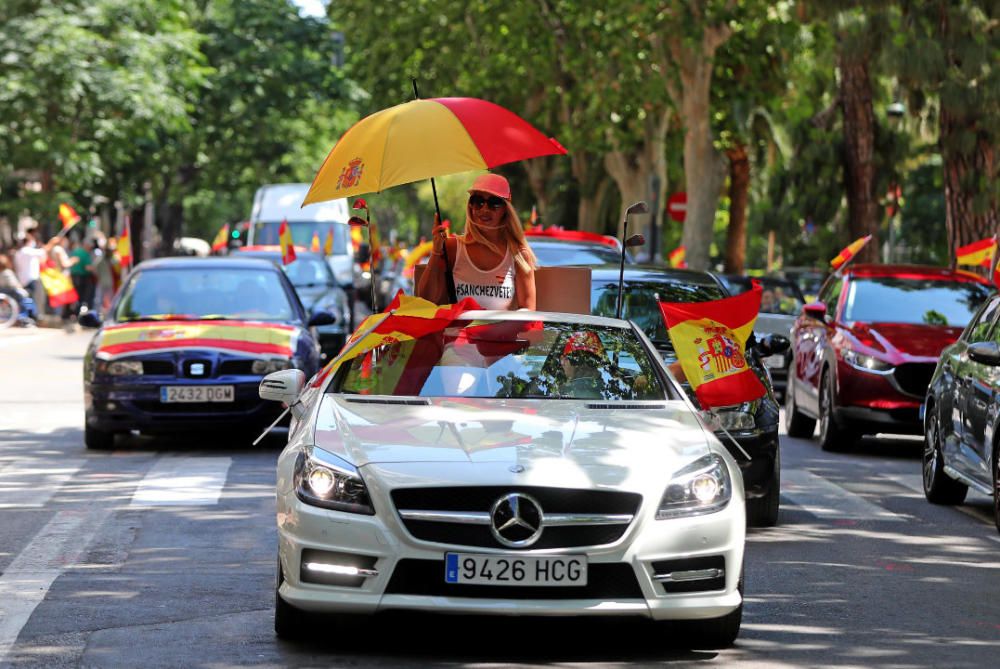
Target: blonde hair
516, 241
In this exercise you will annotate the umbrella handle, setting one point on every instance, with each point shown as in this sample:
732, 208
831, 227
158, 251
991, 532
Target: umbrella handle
449, 277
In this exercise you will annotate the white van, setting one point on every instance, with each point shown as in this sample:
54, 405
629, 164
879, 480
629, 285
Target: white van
275, 203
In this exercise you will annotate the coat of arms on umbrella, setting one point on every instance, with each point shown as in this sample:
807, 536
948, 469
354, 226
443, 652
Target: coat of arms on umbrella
351, 175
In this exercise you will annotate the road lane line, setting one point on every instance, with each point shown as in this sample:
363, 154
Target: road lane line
31, 483
27, 580
824, 499
186, 481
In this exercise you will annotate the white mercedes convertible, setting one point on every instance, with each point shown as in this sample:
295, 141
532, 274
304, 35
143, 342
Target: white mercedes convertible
520, 463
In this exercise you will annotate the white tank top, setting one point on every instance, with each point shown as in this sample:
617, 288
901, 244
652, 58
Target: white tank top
491, 288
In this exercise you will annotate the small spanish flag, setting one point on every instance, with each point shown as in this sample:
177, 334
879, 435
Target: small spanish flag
533, 221
68, 216
328, 242
286, 243
676, 257
124, 248
314, 245
221, 239
57, 286
979, 254
710, 340
849, 251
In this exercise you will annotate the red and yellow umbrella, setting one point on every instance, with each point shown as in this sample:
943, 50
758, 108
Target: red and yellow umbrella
423, 139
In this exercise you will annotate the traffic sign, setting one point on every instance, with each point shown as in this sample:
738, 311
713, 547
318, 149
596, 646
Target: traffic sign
677, 206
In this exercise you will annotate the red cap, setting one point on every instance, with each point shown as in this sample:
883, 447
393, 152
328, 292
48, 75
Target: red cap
494, 184
584, 341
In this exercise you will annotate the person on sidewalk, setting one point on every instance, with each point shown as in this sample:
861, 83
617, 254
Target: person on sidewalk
10, 285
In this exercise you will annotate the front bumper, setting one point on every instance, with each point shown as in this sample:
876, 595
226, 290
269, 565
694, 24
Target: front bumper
410, 572
871, 402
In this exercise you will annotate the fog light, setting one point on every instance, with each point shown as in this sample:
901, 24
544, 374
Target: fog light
339, 569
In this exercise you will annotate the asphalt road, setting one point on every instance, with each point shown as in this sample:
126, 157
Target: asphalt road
161, 554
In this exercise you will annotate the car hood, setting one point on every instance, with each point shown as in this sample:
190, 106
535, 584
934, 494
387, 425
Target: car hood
250, 338
539, 435
905, 340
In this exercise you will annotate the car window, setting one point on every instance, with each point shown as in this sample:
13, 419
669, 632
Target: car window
830, 293
979, 329
641, 302
219, 292
509, 359
266, 233
561, 254
913, 300
778, 296
308, 271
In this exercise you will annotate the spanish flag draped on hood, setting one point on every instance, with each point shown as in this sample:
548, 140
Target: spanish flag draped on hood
710, 341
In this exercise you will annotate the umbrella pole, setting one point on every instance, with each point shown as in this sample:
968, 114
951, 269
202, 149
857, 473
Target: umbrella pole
449, 279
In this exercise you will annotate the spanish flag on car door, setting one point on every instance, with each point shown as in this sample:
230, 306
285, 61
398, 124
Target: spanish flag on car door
710, 340
286, 243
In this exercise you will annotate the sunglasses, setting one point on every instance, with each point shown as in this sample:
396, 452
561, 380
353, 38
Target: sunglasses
493, 202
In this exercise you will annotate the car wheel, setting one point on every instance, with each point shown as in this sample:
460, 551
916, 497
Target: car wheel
939, 488
763, 511
797, 424
98, 440
289, 622
832, 437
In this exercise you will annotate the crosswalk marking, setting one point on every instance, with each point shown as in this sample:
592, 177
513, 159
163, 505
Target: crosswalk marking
183, 481
27, 580
31, 482
823, 499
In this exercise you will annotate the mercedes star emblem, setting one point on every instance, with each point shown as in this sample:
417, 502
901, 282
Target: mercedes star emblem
516, 520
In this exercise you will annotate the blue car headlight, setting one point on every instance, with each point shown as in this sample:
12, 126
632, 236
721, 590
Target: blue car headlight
118, 367
704, 486
323, 479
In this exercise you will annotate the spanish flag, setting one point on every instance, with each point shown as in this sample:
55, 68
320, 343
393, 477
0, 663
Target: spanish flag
286, 243
406, 318
68, 216
314, 245
221, 239
328, 242
710, 341
676, 257
979, 253
124, 248
849, 251
57, 286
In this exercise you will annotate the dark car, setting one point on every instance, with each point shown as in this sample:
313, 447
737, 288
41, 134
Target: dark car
808, 279
556, 252
780, 304
962, 416
864, 353
318, 289
754, 425
186, 344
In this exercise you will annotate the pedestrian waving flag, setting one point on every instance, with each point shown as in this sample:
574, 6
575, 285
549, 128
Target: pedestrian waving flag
677, 257
710, 341
221, 239
287, 246
328, 242
57, 286
849, 252
124, 247
314, 245
979, 254
68, 216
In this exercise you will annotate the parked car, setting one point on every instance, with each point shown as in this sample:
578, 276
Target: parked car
864, 353
557, 248
962, 416
808, 279
471, 472
186, 344
318, 290
781, 302
754, 425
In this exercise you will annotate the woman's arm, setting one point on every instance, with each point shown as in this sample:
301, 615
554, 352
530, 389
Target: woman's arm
524, 288
433, 286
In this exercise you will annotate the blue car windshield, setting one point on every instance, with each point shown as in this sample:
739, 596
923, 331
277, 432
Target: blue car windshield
217, 293
913, 300
556, 254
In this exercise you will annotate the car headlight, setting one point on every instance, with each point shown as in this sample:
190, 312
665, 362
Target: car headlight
704, 486
865, 363
739, 417
323, 479
119, 367
272, 365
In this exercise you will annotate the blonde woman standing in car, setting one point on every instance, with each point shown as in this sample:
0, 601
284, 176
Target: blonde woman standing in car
491, 262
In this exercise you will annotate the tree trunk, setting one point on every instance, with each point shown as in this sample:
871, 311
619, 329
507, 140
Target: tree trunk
739, 187
540, 172
586, 170
859, 143
971, 211
633, 171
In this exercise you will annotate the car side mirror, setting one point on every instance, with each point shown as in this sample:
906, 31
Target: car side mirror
321, 318
772, 344
89, 319
986, 352
285, 387
815, 310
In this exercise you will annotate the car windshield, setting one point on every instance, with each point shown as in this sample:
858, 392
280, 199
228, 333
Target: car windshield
779, 296
266, 234
560, 254
641, 302
308, 271
204, 292
913, 300
509, 360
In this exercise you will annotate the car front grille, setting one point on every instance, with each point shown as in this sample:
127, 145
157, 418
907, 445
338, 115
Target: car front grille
914, 377
426, 577
236, 368
158, 367
553, 501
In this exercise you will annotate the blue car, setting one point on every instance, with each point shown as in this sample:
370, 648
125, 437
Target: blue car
186, 344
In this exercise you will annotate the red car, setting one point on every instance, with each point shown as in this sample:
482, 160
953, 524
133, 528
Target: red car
864, 352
